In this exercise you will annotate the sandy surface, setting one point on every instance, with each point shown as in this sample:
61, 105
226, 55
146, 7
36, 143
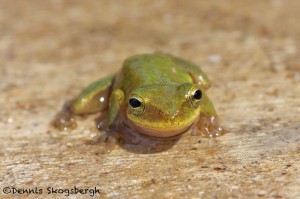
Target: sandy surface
50, 50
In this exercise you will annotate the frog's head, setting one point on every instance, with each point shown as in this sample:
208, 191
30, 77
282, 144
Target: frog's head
162, 110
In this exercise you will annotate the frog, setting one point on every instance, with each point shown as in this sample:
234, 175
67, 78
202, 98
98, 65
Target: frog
154, 95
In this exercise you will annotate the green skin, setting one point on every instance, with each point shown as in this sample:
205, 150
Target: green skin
165, 86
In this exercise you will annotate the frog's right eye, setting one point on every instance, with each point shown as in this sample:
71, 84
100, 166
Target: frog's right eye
137, 105
134, 103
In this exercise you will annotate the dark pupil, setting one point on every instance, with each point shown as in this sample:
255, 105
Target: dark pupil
198, 95
134, 103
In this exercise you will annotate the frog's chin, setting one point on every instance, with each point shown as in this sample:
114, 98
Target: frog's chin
160, 132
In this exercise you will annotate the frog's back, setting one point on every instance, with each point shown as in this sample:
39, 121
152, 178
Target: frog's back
147, 69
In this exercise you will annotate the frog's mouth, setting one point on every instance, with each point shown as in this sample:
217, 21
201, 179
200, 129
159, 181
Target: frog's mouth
160, 132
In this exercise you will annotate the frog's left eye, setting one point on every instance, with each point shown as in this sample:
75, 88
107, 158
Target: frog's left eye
196, 97
137, 105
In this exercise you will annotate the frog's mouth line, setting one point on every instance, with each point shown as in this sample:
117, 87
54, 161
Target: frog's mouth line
159, 132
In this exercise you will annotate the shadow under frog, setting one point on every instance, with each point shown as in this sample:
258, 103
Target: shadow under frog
150, 103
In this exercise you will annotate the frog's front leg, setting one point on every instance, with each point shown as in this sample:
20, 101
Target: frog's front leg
208, 123
110, 134
92, 99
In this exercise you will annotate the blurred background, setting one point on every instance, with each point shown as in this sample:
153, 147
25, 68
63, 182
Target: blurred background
50, 50
91, 38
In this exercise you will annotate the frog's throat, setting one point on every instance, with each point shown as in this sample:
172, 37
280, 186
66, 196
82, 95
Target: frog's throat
159, 132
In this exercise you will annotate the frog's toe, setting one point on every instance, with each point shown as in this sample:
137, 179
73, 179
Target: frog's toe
64, 120
212, 131
110, 144
208, 126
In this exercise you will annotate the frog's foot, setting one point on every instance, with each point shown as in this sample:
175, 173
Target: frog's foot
102, 123
110, 140
208, 126
64, 119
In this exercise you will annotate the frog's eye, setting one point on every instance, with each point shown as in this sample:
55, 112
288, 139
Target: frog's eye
134, 103
196, 97
137, 105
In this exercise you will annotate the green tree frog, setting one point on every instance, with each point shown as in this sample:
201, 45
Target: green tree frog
153, 95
